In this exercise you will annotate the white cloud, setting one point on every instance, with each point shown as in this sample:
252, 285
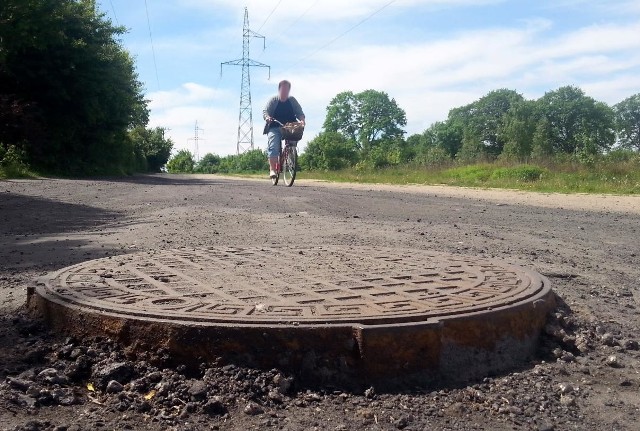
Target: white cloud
187, 94
180, 108
324, 10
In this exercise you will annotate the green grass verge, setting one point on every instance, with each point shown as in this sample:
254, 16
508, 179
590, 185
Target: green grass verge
10, 172
622, 179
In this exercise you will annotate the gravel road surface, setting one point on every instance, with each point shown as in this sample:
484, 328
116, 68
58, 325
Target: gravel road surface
585, 376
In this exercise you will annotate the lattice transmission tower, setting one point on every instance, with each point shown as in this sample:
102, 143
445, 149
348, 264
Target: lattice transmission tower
245, 120
196, 142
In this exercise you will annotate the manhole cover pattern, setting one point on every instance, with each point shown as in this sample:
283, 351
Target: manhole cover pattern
313, 285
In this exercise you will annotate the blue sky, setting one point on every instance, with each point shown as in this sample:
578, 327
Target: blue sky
430, 55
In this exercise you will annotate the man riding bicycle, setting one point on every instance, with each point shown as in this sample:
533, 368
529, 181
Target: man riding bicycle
280, 109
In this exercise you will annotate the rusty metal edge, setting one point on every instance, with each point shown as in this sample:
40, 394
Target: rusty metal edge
454, 348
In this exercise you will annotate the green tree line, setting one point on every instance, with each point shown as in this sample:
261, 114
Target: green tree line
70, 99
252, 161
366, 130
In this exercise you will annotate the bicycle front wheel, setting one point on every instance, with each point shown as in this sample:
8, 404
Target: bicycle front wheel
290, 165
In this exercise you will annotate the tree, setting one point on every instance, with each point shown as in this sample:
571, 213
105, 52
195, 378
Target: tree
518, 129
151, 148
472, 150
71, 86
329, 151
209, 164
598, 129
367, 118
416, 141
484, 117
628, 122
342, 115
577, 123
447, 135
181, 163
541, 145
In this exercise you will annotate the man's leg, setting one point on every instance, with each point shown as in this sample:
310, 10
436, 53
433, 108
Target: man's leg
273, 149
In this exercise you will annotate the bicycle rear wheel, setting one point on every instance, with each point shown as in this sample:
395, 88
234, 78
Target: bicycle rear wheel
290, 165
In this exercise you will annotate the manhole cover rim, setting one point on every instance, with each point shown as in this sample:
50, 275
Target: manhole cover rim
539, 290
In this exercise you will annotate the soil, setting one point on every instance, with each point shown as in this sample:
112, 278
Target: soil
584, 377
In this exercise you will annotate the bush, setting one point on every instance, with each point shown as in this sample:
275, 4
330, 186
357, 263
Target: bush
621, 155
329, 151
181, 163
435, 156
249, 162
524, 173
12, 162
209, 164
376, 158
471, 174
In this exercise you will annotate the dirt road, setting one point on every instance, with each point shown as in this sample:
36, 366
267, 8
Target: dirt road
589, 246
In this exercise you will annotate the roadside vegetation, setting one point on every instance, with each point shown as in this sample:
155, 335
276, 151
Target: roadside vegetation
251, 162
70, 99
608, 175
565, 141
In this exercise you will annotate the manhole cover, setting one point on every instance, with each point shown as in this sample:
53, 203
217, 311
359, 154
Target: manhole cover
315, 285
347, 288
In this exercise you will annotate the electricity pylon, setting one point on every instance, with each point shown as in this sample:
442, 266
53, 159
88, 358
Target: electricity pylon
196, 140
245, 119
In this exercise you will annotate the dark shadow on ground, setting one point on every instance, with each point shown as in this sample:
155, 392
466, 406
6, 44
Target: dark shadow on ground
28, 215
163, 180
39, 234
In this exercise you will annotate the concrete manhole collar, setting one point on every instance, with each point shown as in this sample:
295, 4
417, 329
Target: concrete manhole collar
366, 294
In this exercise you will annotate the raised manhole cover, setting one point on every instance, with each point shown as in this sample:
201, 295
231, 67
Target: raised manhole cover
261, 298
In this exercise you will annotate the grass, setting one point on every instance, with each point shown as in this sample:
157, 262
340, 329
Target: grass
606, 176
622, 178
13, 171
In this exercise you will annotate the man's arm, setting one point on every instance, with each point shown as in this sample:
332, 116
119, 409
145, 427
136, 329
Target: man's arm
269, 109
297, 109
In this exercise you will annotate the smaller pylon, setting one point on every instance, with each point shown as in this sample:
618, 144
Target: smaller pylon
196, 140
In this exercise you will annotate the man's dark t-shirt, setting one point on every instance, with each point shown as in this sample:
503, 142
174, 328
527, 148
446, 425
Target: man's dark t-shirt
284, 113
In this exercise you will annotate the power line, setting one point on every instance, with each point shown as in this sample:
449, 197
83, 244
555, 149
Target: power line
113, 9
300, 17
293, 24
340, 36
153, 50
269, 16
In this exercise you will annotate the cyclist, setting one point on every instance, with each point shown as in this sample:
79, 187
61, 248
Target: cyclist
285, 109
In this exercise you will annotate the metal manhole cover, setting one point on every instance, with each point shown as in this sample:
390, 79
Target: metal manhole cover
324, 285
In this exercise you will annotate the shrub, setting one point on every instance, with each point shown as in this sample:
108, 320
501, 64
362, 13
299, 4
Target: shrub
251, 161
13, 162
209, 164
524, 173
181, 163
621, 155
329, 151
435, 156
473, 173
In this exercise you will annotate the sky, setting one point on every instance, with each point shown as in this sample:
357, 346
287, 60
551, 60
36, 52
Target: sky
429, 55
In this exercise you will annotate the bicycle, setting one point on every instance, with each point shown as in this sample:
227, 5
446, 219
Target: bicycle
288, 161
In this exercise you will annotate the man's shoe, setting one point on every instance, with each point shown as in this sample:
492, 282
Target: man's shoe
272, 174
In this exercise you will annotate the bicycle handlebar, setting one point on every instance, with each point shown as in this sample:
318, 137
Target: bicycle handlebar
276, 121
